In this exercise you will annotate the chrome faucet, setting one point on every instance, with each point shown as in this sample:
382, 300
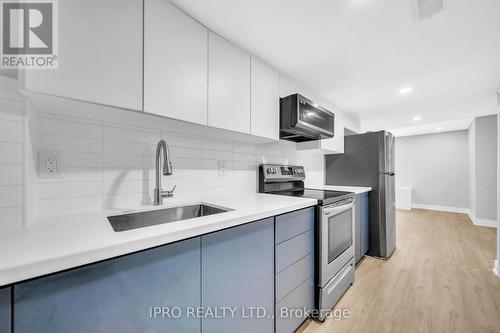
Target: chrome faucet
159, 194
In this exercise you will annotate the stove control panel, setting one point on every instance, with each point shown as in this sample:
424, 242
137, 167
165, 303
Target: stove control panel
281, 173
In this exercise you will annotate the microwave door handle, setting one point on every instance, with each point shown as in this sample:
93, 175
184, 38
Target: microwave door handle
337, 210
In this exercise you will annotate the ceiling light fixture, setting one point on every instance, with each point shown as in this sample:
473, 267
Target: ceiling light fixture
439, 129
417, 118
405, 90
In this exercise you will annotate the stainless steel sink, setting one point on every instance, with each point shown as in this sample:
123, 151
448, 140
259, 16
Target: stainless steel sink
146, 219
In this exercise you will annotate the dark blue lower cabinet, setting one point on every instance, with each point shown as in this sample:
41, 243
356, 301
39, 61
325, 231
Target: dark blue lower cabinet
238, 279
365, 223
149, 291
5, 310
361, 225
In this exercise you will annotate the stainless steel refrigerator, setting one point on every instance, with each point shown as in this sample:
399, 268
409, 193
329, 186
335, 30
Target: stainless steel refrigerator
368, 160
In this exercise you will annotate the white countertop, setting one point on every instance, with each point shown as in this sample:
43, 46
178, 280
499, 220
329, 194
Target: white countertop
355, 189
51, 244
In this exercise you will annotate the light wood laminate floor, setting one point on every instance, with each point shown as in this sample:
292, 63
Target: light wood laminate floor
439, 279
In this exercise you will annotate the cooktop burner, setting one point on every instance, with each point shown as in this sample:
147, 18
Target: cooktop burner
324, 197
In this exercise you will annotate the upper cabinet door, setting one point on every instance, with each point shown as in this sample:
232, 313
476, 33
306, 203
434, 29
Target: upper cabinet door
100, 54
175, 63
265, 102
228, 86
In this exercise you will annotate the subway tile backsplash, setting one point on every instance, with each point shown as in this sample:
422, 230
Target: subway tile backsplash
109, 163
109, 166
11, 164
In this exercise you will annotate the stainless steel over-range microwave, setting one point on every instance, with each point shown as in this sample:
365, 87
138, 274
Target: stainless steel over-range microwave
303, 120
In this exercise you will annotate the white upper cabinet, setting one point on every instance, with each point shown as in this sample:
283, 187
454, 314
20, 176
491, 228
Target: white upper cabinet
175, 63
265, 101
100, 54
228, 86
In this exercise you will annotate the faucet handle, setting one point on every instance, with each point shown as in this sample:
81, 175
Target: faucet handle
170, 193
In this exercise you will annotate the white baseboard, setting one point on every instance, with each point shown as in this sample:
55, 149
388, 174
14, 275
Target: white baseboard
481, 222
474, 219
496, 269
441, 208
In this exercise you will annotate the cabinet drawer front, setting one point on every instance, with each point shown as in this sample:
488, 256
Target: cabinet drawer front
293, 276
292, 224
293, 250
300, 298
334, 290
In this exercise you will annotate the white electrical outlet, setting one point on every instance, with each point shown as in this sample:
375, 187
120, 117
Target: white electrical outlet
222, 168
50, 164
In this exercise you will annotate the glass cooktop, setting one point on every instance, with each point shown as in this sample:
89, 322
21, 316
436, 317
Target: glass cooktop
324, 197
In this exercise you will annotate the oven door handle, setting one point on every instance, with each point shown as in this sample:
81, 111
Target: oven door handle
337, 210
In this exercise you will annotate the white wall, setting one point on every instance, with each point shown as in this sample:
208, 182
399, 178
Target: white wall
436, 167
497, 262
486, 167
108, 159
12, 122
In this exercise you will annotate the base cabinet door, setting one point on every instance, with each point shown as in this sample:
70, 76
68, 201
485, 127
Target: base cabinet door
238, 273
357, 228
5, 311
119, 295
361, 225
365, 223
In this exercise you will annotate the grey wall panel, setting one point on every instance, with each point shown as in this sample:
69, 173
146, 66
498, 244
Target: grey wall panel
115, 295
238, 272
472, 167
5, 310
486, 167
436, 167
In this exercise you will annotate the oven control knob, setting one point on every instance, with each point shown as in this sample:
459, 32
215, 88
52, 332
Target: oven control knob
269, 171
295, 171
275, 170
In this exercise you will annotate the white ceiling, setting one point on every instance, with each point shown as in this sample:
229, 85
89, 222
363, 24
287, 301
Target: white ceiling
446, 126
359, 53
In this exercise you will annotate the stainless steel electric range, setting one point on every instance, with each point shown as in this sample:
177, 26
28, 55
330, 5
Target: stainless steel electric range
334, 269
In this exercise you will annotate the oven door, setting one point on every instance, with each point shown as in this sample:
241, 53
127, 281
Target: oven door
336, 240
